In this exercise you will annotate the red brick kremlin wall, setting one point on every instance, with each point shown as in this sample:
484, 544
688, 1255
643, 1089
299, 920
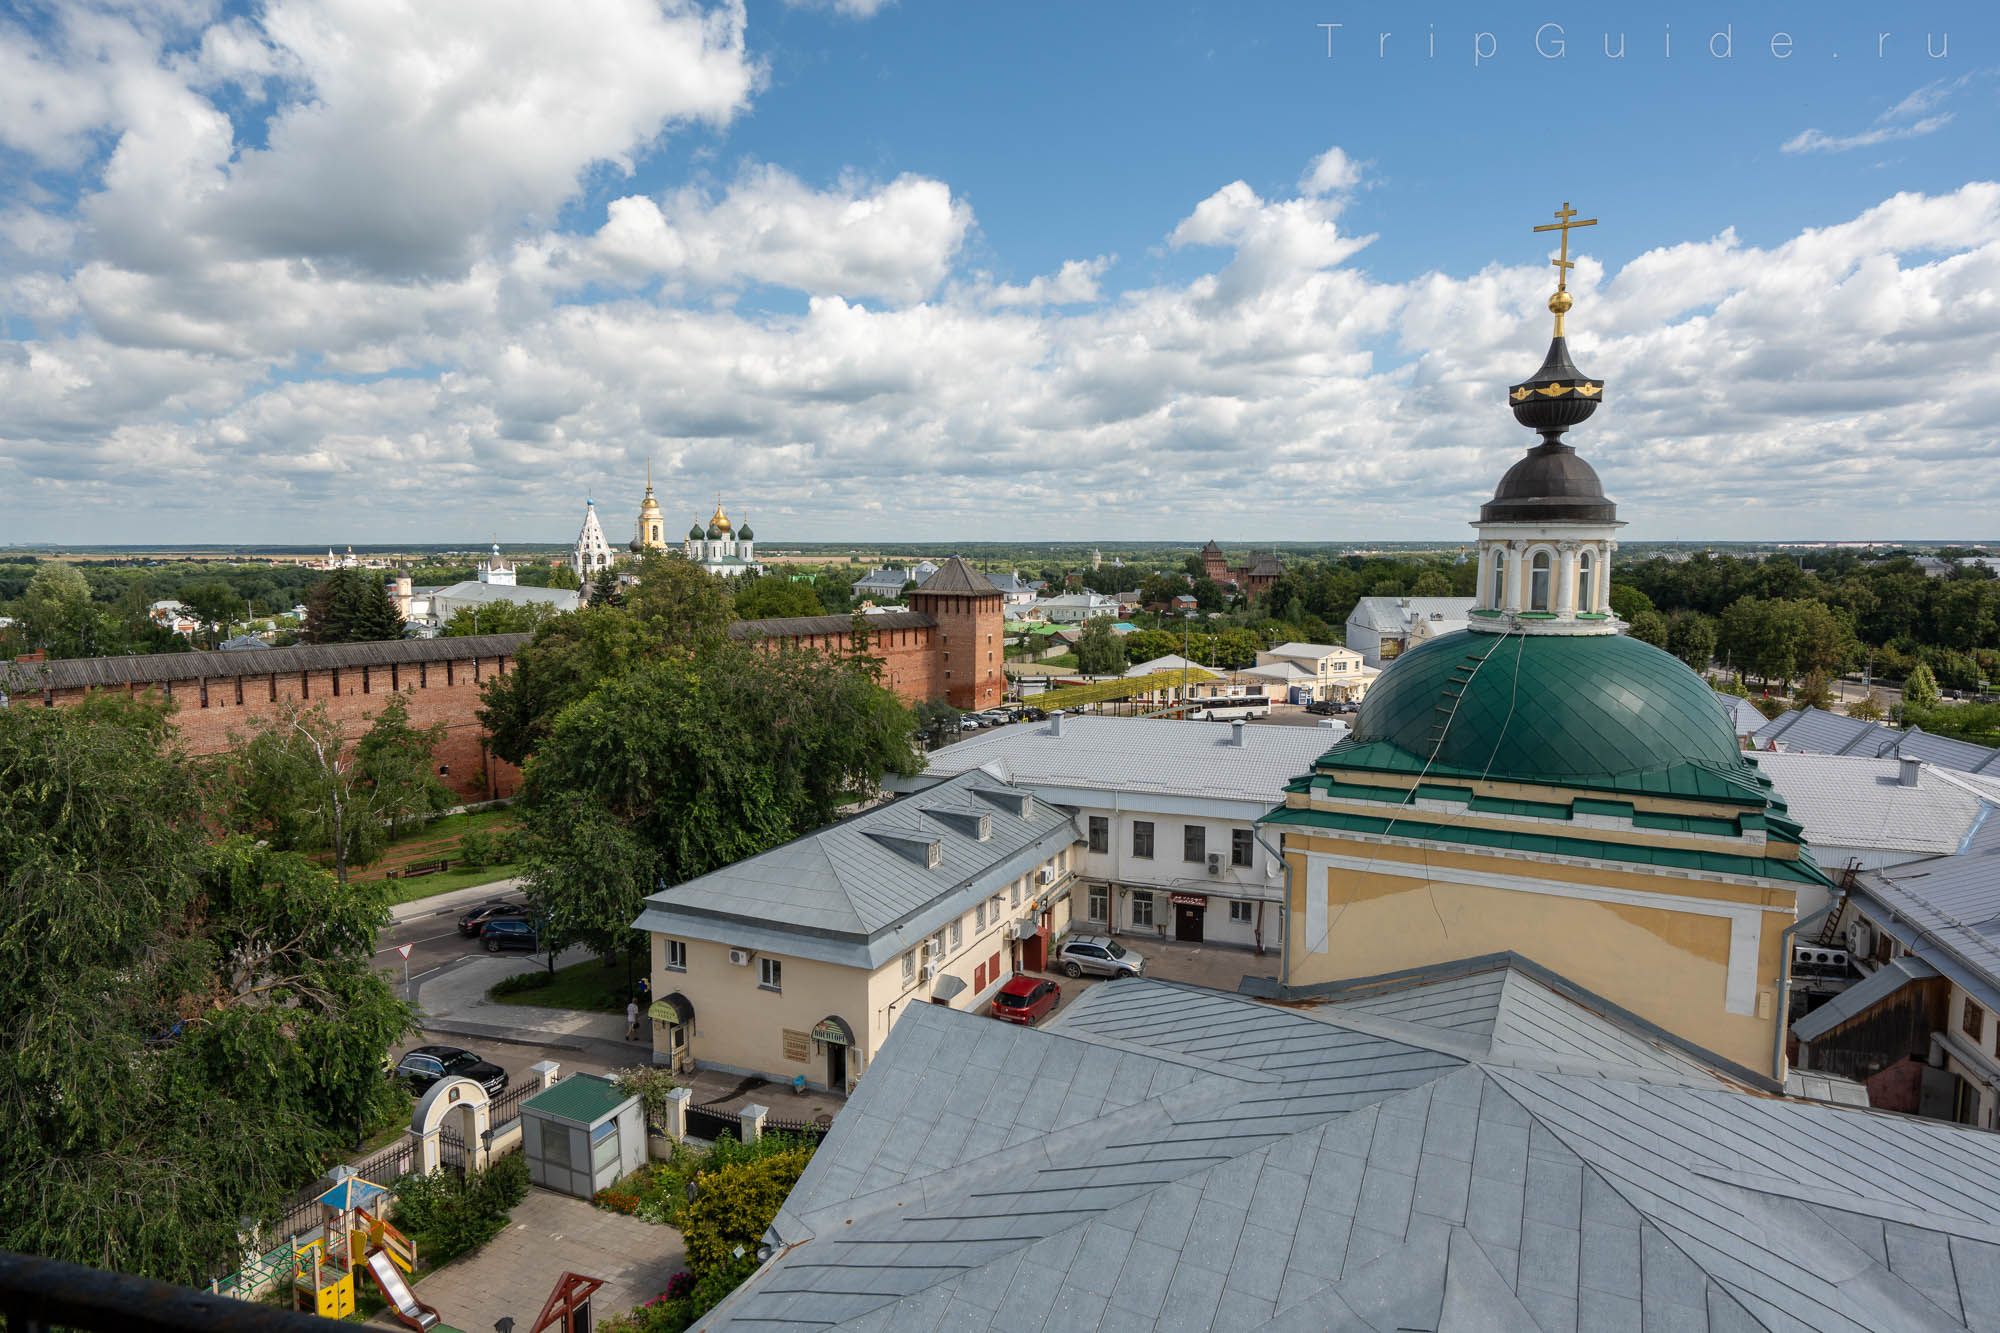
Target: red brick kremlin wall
440, 679
217, 692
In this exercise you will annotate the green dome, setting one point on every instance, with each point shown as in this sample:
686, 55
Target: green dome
1547, 708
694, 533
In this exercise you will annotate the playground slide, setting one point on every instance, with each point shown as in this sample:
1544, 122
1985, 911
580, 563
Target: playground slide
413, 1312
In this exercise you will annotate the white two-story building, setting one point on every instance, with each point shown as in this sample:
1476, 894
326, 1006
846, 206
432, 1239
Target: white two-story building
1166, 811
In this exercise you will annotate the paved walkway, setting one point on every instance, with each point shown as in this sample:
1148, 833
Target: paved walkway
551, 1234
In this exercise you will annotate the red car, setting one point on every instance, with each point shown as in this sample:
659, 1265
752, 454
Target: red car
1026, 1000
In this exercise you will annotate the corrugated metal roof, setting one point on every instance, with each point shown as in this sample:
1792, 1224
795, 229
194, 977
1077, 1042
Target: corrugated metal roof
474, 593
1394, 615
1136, 754
1852, 801
1165, 1157
848, 893
1817, 732
152, 668
581, 1098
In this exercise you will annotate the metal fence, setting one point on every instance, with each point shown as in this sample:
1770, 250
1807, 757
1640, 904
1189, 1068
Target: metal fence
805, 1129
712, 1123
451, 1150
507, 1108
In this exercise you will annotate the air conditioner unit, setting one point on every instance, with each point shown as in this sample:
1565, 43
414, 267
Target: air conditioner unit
932, 948
1215, 863
1045, 875
930, 970
1860, 939
740, 957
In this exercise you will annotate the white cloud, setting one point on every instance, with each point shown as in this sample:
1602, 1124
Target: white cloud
854, 9
1075, 283
1912, 118
894, 241
321, 379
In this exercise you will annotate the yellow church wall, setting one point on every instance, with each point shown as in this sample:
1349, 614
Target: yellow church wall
1670, 965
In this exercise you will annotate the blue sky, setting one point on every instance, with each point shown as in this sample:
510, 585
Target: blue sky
378, 271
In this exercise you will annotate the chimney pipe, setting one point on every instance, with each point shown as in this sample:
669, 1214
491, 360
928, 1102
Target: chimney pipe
1908, 771
1236, 730
1055, 722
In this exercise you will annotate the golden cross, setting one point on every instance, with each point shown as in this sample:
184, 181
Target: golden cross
1563, 224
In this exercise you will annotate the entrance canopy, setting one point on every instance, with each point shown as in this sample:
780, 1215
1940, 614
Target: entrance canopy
675, 1008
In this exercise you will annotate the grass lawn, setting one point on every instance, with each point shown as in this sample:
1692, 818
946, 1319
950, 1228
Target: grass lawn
1059, 660
586, 985
429, 886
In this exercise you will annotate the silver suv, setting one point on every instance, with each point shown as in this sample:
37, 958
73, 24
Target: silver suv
1099, 956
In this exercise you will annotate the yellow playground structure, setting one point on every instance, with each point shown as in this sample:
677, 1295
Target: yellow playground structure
325, 1268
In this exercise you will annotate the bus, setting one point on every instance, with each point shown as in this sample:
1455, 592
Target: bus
1229, 707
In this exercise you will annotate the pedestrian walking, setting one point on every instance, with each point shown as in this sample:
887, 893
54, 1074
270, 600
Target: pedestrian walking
631, 1020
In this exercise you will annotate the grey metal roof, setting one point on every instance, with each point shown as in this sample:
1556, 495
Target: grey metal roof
474, 593
1393, 615
797, 627
1861, 802
1745, 716
857, 891
152, 668
1864, 995
1165, 1157
1946, 910
1817, 732
1137, 754
1296, 649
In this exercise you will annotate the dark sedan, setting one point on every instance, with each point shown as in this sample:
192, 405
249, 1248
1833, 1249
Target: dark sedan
475, 920
425, 1065
510, 932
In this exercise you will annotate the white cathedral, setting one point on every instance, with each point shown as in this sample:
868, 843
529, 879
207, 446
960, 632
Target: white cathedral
720, 547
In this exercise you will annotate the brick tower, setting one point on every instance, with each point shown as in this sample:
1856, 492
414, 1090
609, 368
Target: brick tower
971, 633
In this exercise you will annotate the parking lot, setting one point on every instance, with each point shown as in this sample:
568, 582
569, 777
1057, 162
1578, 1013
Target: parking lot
1216, 966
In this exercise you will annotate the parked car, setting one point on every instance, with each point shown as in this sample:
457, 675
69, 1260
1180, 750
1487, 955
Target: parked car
510, 932
1323, 707
1098, 956
1026, 1000
425, 1065
968, 724
475, 920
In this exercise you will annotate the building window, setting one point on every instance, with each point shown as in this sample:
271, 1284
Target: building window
957, 933
994, 908
1099, 906
1240, 914
1100, 834
1142, 909
1973, 1024
1499, 580
1538, 582
909, 967
1586, 582
979, 918
677, 956
1014, 893
770, 974
1239, 847
1142, 838
1194, 842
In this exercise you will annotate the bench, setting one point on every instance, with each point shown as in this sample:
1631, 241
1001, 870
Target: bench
419, 868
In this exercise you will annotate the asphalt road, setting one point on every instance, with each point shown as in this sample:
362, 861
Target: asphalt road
516, 1058
433, 939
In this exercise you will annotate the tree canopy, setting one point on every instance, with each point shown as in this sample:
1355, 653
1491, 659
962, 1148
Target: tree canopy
771, 596
187, 1027
351, 606
1099, 650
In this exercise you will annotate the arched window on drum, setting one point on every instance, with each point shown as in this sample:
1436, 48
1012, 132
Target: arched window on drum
1538, 582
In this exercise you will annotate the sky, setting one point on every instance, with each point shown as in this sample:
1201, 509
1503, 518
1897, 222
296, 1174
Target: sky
372, 271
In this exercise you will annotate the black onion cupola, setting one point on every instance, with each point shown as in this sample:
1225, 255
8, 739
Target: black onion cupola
1545, 538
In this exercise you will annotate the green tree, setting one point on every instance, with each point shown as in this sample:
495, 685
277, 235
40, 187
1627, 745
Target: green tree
736, 1206
1236, 648
334, 607
564, 577
604, 588
375, 615
1431, 583
498, 618
1627, 601
290, 783
56, 612
1144, 645
1761, 637
683, 601
772, 596
214, 605
1691, 636
1868, 709
1099, 650
396, 765
1649, 626
1920, 689
568, 657
687, 763
189, 1029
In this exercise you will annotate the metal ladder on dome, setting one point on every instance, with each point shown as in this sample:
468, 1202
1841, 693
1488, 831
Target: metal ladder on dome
1461, 676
